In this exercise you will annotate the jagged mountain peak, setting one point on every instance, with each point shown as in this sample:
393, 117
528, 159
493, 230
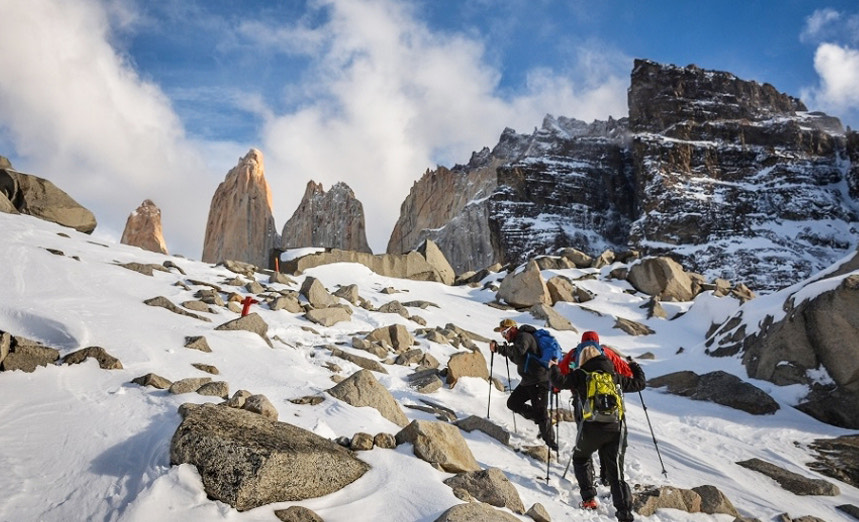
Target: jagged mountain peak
332, 219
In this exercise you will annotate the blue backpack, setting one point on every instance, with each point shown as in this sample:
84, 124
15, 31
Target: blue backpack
549, 349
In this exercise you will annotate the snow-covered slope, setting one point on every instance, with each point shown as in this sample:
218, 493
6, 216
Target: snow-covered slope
82, 443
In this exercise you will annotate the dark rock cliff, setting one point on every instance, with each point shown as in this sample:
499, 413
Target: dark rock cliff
732, 178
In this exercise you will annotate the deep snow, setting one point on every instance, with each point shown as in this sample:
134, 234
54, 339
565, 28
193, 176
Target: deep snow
81, 443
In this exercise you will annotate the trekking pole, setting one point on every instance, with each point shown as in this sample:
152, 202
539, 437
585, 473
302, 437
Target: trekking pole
549, 448
567, 468
573, 406
491, 364
653, 435
515, 430
558, 425
655, 444
548, 462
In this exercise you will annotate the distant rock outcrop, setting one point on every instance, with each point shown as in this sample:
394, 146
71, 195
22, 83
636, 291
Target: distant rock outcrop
414, 265
143, 228
32, 195
333, 219
240, 224
732, 178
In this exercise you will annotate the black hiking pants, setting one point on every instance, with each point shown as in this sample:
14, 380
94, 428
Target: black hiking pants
538, 396
611, 447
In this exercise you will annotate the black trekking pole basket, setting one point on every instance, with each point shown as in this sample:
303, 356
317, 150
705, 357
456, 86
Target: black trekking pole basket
491, 364
509, 388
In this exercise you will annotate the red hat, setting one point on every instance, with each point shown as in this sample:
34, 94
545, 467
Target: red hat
590, 336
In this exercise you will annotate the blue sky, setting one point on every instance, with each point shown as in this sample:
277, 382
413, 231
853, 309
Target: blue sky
118, 101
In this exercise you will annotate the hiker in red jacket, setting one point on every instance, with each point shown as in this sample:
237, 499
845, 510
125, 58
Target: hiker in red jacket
534, 386
569, 363
608, 438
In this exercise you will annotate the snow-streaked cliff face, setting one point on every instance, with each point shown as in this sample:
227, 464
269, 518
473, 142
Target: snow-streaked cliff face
731, 177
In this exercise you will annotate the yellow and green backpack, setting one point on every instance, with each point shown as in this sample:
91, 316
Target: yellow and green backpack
604, 399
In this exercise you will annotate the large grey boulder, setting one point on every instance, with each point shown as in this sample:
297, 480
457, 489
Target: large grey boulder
473, 422
793, 482
490, 486
251, 323
436, 259
362, 362
475, 512
837, 458
40, 198
26, 355
105, 360
714, 501
819, 333
561, 289
165, 303
701, 499
314, 291
197, 342
440, 444
328, 316
666, 497
297, 514
188, 385
525, 289
661, 277
719, 387
154, 380
362, 389
466, 364
396, 337
247, 460
552, 318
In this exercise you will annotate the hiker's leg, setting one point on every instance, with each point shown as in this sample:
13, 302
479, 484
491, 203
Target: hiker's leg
540, 401
613, 455
586, 443
517, 399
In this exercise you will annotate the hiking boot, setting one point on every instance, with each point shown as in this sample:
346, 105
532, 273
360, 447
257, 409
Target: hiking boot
625, 516
589, 504
550, 441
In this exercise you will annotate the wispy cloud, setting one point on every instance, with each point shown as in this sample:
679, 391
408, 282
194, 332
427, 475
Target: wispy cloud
381, 97
819, 25
389, 98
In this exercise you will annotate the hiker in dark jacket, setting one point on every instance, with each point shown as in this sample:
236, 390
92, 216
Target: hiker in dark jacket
606, 438
534, 386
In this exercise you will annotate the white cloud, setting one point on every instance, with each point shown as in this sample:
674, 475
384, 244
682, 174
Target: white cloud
838, 91
818, 24
829, 25
81, 117
384, 99
389, 99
